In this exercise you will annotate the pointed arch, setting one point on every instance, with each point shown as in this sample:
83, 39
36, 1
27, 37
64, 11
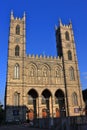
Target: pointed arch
16, 71
59, 95
60, 100
74, 99
57, 70
45, 68
69, 55
71, 72
16, 99
32, 69
17, 50
18, 29
67, 36
33, 92
46, 93
32, 100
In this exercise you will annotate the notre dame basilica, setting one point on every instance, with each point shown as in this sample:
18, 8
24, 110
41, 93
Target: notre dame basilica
42, 86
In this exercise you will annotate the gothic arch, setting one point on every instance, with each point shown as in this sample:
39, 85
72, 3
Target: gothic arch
45, 65
60, 101
45, 68
32, 69
46, 92
32, 100
33, 92
47, 101
57, 71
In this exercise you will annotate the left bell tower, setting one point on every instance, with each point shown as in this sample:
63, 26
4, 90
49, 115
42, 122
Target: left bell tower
17, 36
15, 68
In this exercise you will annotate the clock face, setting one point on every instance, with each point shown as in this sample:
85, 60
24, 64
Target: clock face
17, 39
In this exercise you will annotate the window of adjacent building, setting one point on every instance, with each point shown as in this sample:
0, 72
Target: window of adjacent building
16, 99
18, 30
69, 55
67, 36
16, 71
71, 71
17, 50
74, 99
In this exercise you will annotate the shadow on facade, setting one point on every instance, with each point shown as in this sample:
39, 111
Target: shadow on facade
16, 113
21, 114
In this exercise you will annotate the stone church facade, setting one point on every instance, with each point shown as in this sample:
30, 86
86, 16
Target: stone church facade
42, 86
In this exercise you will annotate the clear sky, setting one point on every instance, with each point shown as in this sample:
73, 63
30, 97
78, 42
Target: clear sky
41, 17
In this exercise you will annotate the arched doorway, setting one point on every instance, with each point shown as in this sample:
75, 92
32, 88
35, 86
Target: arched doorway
47, 102
32, 101
60, 101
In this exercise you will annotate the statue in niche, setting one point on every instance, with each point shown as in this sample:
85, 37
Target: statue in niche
57, 73
44, 72
32, 72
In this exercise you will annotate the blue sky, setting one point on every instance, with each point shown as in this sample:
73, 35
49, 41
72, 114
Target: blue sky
41, 17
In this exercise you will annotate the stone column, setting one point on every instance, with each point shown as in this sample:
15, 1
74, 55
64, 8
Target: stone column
51, 106
54, 112
39, 108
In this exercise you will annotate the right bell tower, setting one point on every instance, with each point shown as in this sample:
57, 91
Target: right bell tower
67, 51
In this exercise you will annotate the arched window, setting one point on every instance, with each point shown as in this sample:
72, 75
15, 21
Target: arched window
17, 50
74, 99
71, 71
67, 36
69, 55
18, 30
16, 71
16, 99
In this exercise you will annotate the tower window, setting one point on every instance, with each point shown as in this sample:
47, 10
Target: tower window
17, 50
18, 30
69, 55
67, 35
16, 71
71, 71
74, 99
